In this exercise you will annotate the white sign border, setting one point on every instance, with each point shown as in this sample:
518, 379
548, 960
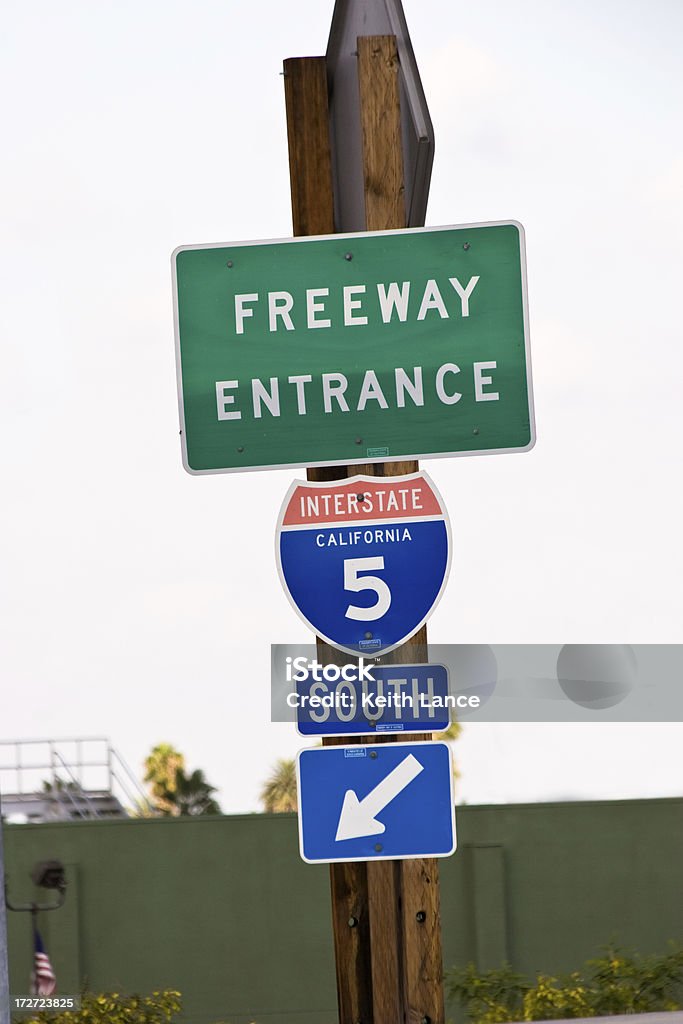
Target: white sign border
405, 456
368, 747
366, 730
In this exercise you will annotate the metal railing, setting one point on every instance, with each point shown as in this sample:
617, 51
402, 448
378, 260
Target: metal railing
74, 773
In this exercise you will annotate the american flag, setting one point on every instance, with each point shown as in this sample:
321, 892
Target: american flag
43, 980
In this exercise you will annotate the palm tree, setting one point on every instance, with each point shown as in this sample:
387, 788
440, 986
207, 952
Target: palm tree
174, 792
194, 794
278, 793
161, 770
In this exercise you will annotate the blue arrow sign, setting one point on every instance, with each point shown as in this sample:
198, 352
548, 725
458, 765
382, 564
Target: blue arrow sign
364, 560
388, 801
372, 700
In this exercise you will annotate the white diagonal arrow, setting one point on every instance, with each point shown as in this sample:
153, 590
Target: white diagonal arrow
357, 817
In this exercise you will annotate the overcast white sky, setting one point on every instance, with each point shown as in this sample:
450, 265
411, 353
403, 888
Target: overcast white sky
139, 602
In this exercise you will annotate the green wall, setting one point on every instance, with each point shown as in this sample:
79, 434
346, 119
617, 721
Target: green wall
224, 910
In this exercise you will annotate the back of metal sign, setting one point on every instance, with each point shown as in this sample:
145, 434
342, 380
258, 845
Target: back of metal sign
351, 19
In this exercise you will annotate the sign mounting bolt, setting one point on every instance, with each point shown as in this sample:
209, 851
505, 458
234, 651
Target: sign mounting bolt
373, 754
359, 440
353, 922
378, 847
348, 256
466, 246
230, 264
421, 917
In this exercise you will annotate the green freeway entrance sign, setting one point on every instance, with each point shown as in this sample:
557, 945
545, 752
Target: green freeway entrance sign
353, 348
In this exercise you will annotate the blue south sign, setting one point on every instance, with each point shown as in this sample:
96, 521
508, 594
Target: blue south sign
364, 560
373, 699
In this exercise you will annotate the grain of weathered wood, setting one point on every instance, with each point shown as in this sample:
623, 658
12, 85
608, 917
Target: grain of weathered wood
421, 926
310, 160
401, 468
313, 214
417, 943
351, 928
384, 208
380, 110
384, 898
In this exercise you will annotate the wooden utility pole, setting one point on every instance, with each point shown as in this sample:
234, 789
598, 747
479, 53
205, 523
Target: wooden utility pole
385, 914
310, 171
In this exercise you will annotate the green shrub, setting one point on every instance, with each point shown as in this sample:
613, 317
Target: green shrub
617, 982
492, 997
112, 1008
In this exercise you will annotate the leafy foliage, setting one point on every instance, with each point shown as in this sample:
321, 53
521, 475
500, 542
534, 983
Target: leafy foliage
174, 792
618, 982
161, 768
490, 997
278, 793
194, 794
112, 1008
450, 735
452, 732
59, 785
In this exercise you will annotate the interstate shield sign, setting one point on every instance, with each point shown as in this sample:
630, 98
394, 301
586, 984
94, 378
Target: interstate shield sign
364, 560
